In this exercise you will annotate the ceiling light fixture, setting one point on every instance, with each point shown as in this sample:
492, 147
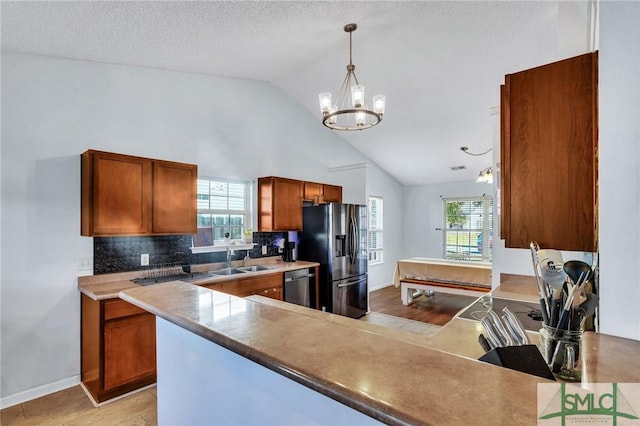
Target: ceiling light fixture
485, 176
355, 116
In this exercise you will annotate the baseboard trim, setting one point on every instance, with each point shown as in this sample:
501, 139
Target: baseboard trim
37, 392
378, 287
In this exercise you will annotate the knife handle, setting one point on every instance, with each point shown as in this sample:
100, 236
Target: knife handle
486, 346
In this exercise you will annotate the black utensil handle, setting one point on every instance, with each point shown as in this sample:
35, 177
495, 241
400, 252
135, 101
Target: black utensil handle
484, 343
544, 310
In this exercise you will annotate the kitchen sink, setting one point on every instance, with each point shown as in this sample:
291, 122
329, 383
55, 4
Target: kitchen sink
254, 268
227, 271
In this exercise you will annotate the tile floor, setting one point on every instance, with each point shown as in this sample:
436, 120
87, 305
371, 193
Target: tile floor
400, 323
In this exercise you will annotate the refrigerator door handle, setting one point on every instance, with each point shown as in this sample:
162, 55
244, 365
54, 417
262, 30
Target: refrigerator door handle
350, 283
353, 240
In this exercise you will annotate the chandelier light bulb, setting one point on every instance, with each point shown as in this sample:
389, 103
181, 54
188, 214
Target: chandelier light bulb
361, 118
378, 104
357, 95
325, 102
333, 118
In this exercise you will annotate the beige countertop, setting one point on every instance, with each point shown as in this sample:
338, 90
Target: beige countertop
393, 377
107, 286
609, 359
403, 376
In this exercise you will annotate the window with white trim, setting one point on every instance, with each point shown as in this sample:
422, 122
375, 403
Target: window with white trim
224, 206
468, 228
375, 230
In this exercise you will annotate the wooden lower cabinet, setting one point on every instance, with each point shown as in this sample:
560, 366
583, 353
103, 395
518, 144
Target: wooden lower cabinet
118, 344
263, 285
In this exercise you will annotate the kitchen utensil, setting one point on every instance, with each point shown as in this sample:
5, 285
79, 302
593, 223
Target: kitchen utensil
557, 302
504, 335
574, 268
486, 346
550, 259
555, 277
515, 337
576, 289
492, 335
588, 307
517, 325
542, 293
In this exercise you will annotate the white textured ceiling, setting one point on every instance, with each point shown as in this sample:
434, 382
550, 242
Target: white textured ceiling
440, 64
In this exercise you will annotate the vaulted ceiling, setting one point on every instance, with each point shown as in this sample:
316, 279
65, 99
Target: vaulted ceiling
439, 63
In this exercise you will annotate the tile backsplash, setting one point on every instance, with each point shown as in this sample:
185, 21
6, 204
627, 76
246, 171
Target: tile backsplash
122, 254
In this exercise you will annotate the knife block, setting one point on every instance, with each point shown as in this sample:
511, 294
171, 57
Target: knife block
526, 359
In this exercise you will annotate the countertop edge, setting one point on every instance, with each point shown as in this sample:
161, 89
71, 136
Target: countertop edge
108, 286
371, 408
327, 386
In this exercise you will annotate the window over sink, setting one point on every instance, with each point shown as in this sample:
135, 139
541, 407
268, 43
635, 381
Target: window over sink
224, 206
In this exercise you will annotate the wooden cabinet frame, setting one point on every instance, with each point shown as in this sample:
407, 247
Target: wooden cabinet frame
280, 201
123, 195
117, 347
549, 155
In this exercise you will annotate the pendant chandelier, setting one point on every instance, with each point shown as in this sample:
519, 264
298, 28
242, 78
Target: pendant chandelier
354, 115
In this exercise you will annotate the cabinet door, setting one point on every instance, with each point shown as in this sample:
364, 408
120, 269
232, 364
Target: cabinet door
129, 350
279, 204
313, 191
332, 193
272, 293
116, 194
174, 197
549, 156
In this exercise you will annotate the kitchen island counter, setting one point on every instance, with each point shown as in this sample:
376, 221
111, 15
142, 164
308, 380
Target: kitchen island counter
381, 377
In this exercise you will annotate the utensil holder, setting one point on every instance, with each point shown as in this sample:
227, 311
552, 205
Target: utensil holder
525, 358
561, 351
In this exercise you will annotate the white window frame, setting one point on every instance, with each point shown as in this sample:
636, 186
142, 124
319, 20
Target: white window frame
376, 231
235, 231
469, 232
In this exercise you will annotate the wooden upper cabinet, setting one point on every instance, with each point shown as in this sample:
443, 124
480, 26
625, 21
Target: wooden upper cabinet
549, 155
312, 191
116, 194
322, 193
174, 197
332, 193
279, 204
127, 195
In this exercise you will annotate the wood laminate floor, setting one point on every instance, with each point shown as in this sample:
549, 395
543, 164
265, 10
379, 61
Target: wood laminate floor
72, 406
437, 309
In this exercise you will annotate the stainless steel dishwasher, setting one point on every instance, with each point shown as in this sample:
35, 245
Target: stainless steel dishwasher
298, 285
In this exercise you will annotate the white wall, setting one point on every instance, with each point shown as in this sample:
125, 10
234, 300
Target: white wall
424, 218
55, 109
619, 174
379, 184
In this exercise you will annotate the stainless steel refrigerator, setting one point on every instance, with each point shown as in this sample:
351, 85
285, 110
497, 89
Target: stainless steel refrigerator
335, 235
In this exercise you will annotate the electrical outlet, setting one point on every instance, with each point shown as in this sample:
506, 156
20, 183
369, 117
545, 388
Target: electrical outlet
264, 250
144, 259
85, 264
